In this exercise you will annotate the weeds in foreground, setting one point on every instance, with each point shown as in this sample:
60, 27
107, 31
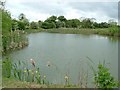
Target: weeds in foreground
103, 78
20, 71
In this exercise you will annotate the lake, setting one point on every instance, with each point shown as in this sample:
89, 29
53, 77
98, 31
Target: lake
69, 54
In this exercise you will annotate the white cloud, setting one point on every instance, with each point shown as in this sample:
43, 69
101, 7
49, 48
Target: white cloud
42, 9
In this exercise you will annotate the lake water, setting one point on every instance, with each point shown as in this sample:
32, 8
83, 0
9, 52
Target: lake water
68, 54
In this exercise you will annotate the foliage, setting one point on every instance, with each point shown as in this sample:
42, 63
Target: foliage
86, 23
7, 68
21, 72
47, 25
23, 22
73, 23
62, 18
103, 78
39, 23
21, 25
6, 17
14, 24
11, 37
51, 19
34, 25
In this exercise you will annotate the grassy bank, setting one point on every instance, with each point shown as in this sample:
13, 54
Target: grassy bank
12, 83
14, 40
105, 31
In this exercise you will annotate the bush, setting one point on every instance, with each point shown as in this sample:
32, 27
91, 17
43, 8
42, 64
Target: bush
103, 78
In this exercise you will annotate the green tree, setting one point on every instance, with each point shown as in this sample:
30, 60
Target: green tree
14, 24
87, 23
34, 25
61, 21
23, 21
6, 21
6, 28
21, 25
72, 23
47, 25
112, 22
40, 23
51, 19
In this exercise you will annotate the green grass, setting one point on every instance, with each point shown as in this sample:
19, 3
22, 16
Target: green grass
100, 31
18, 75
13, 83
28, 31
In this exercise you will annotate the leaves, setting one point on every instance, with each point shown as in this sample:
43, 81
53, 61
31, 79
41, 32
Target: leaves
103, 78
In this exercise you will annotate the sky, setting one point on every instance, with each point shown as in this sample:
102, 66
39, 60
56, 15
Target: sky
42, 9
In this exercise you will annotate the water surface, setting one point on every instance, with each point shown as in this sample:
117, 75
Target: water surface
67, 54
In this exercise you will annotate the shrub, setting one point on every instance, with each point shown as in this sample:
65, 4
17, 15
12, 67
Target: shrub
103, 78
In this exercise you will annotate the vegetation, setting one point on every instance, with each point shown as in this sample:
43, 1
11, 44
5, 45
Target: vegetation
103, 78
13, 30
12, 38
20, 71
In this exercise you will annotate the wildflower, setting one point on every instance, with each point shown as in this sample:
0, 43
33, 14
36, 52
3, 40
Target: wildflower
33, 62
36, 71
44, 76
66, 77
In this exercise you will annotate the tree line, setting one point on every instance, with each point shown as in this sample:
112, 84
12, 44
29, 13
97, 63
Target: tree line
59, 22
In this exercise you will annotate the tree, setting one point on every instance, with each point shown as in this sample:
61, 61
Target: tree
6, 17
87, 23
112, 22
40, 23
21, 17
6, 28
47, 25
14, 24
24, 21
60, 24
51, 19
62, 18
34, 25
21, 25
72, 23
61, 21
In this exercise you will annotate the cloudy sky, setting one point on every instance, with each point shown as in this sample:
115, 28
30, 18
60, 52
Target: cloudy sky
41, 9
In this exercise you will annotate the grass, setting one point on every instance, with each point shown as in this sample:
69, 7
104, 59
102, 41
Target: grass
17, 75
14, 40
13, 83
100, 31
28, 31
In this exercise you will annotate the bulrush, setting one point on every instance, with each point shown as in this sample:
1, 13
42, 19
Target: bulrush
66, 77
33, 62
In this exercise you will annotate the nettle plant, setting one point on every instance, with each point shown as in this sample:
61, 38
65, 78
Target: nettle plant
103, 78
